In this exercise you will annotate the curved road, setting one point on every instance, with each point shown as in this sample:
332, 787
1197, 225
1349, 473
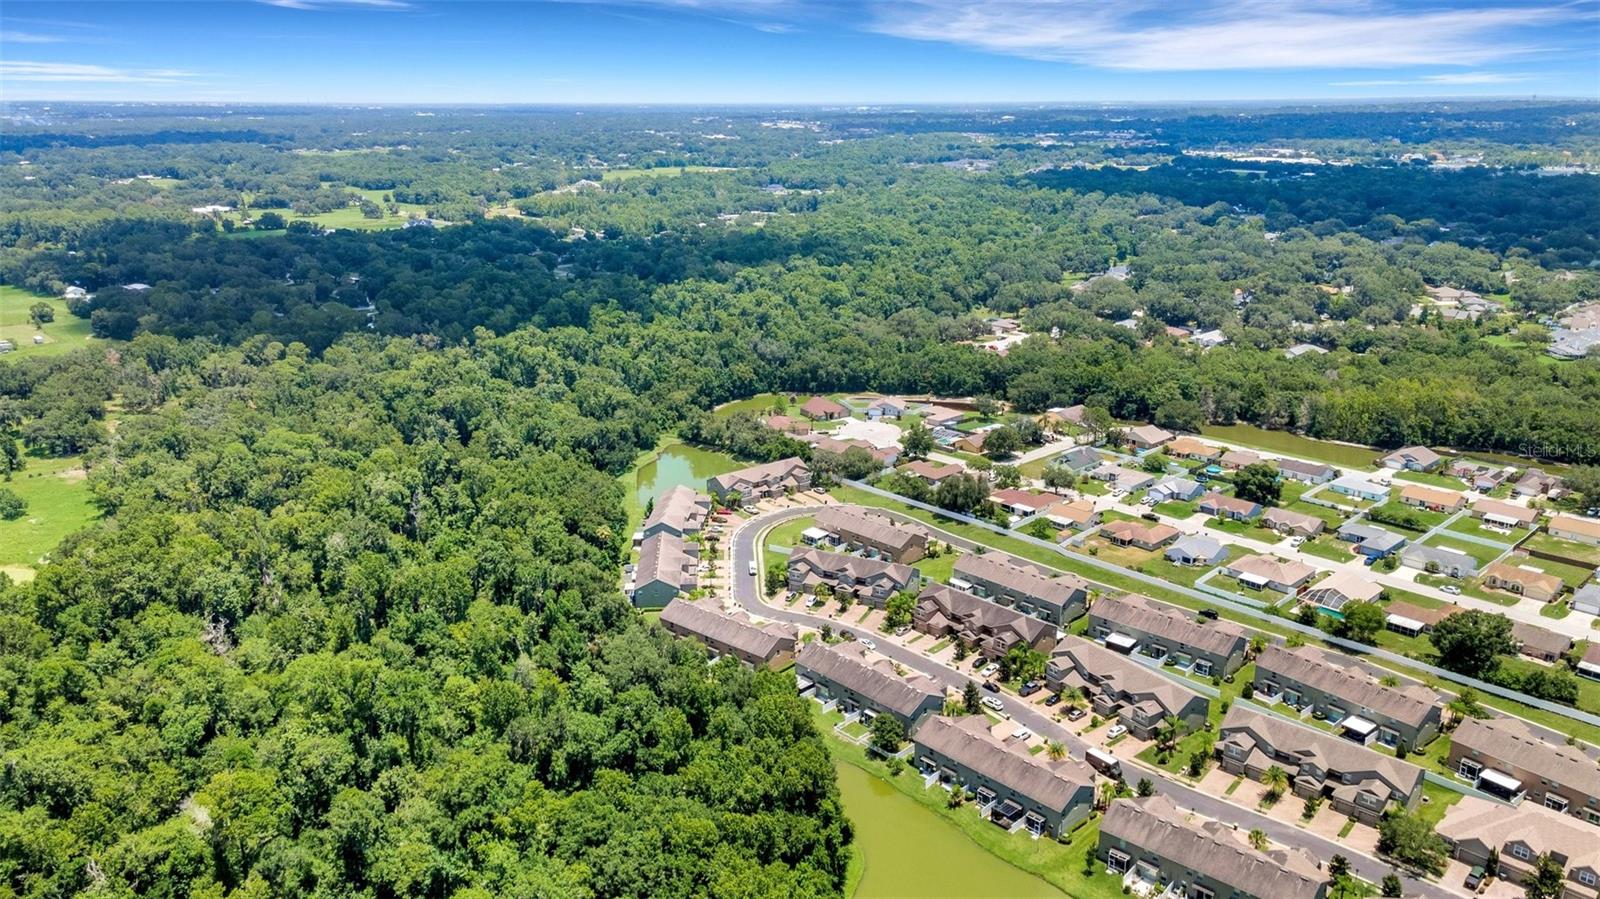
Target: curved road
747, 593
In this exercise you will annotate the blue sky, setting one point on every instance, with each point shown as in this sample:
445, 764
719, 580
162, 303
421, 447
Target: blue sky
788, 51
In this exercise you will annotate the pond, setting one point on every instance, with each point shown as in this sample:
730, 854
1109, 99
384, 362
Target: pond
674, 464
910, 851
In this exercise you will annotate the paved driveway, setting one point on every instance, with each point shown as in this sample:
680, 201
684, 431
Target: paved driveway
880, 434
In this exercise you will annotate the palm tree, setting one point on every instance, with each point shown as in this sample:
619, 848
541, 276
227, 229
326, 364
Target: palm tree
1167, 733
1108, 792
1055, 750
1258, 839
1277, 780
1258, 643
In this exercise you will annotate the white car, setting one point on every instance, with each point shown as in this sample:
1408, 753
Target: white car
994, 703
989, 670
1116, 731
752, 567
812, 602
1451, 589
868, 642
1296, 541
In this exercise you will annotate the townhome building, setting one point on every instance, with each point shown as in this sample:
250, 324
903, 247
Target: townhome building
1010, 581
943, 611
857, 529
668, 565
869, 581
1347, 696
1137, 624
680, 511
1506, 758
1014, 788
846, 674
768, 645
1476, 829
1139, 697
763, 481
1161, 844
1355, 780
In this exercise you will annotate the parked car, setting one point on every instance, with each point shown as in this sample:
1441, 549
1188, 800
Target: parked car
1296, 541
991, 686
994, 703
1052, 699
989, 670
1116, 731
1475, 878
752, 567
1451, 589
1075, 713
1030, 688
868, 642
1209, 614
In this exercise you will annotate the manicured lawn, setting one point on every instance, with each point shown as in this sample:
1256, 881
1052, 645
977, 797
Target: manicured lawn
1175, 509
1232, 526
63, 335
783, 538
1558, 609
1294, 445
59, 503
1091, 487
1484, 554
1469, 525
1327, 547
1571, 575
1426, 518
1332, 516
1436, 800
939, 568
1569, 549
1432, 479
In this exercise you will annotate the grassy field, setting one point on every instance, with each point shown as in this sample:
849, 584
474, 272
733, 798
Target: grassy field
1569, 549
1427, 520
58, 504
1469, 525
67, 333
663, 172
349, 217
1571, 575
1294, 445
783, 538
1484, 554
1430, 478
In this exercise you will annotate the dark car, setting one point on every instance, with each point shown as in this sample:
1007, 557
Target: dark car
991, 686
1052, 699
1074, 714
1030, 688
1209, 614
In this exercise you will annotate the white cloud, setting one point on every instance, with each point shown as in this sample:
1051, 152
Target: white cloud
18, 70
385, 5
27, 37
1444, 80
1254, 34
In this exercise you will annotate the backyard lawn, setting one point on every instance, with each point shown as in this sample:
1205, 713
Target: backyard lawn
1568, 549
1483, 554
1432, 479
1466, 524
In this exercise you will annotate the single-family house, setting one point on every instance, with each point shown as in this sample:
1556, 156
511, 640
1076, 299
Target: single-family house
668, 565
1147, 437
1209, 339
1147, 535
1370, 540
1536, 482
1412, 620
1539, 643
1198, 550
1235, 459
783, 424
1529, 582
763, 481
1342, 587
1433, 499
1157, 843
1065, 415
1141, 698
1439, 560
843, 673
942, 416
885, 456
971, 443
1413, 458
1348, 696
1125, 479
1292, 523
1301, 349
820, 408
1057, 598
1479, 829
856, 529
1586, 600
1357, 781
1262, 572
1589, 662
869, 581
1048, 797
1074, 514
1578, 530
769, 645
932, 473
1359, 487
1506, 758
1079, 459
1306, 472
1231, 507
1186, 447
944, 611
1022, 503
680, 511
887, 407
1175, 489
1503, 514
1133, 623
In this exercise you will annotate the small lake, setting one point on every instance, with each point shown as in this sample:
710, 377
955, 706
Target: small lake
910, 851
675, 464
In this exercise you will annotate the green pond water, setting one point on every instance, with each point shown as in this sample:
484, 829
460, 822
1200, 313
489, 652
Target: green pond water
676, 464
911, 851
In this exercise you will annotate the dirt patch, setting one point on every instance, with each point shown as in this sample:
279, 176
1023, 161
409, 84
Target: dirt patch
73, 474
19, 573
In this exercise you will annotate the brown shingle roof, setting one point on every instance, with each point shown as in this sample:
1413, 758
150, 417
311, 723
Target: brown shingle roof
968, 742
1314, 668
1222, 638
726, 630
853, 522
1323, 749
846, 666
1513, 742
1021, 577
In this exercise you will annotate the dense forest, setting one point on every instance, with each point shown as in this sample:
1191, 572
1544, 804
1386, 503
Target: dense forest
351, 622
